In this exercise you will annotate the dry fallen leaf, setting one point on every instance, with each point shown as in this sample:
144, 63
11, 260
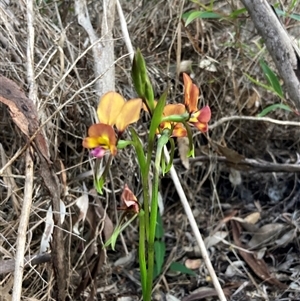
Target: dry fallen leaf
126, 260
214, 239
230, 154
233, 268
183, 148
204, 292
193, 264
100, 226
235, 177
83, 204
265, 234
49, 225
252, 218
258, 266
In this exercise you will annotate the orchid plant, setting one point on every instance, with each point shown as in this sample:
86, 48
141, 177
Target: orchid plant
167, 121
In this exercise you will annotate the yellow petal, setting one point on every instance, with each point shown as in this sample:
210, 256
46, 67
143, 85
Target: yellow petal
90, 142
130, 113
110, 107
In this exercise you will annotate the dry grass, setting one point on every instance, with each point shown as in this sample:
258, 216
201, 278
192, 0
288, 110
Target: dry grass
232, 46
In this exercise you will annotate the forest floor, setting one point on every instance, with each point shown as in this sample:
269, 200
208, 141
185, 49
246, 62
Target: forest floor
243, 187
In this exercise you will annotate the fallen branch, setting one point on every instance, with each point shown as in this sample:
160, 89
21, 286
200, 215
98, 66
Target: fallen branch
8, 266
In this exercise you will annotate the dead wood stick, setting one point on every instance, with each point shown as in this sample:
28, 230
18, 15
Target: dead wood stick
28, 187
248, 164
8, 266
278, 44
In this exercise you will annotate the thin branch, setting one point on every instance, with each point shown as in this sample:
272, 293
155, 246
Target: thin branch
278, 44
125, 30
28, 189
248, 164
250, 118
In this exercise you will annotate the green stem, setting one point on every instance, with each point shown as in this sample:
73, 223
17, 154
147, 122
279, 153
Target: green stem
142, 252
153, 221
146, 198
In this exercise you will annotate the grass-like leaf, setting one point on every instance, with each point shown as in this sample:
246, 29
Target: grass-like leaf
160, 252
271, 78
192, 15
274, 107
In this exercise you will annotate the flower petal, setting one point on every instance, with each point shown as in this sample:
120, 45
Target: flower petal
129, 200
90, 142
179, 131
204, 114
109, 107
202, 127
130, 113
98, 152
174, 109
102, 135
191, 93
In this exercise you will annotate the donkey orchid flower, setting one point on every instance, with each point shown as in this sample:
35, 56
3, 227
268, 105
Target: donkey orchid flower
178, 129
198, 118
101, 137
112, 111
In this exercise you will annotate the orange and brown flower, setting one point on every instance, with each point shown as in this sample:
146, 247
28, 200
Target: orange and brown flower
198, 118
195, 117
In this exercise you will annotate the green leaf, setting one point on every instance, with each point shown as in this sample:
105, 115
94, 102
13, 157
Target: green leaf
168, 167
99, 183
292, 16
137, 143
268, 88
120, 228
271, 78
192, 15
237, 13
159, 230
179, 267
190, 136
123, 143
274, 107
159, 253
157, 115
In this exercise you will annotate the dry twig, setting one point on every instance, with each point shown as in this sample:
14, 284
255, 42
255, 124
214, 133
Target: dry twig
28, 189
